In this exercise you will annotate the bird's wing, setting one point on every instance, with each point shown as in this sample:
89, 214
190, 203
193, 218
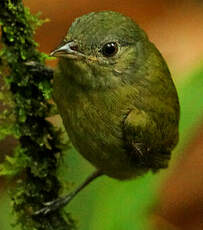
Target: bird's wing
143, 139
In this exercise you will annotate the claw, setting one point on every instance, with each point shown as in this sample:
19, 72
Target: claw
31, 63
48, 203
53, 205
45, 210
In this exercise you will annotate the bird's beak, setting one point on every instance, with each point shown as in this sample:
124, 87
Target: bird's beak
69, 50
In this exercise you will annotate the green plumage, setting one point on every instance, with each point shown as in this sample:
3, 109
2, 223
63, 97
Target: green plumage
121, 112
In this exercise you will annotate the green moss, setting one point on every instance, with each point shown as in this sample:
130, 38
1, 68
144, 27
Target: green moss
37, 156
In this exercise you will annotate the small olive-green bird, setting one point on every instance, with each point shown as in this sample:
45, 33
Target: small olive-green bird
116, 97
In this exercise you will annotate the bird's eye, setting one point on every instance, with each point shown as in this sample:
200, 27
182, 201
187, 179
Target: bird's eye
109, 49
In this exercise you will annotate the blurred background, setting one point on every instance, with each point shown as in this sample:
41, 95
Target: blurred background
173, 198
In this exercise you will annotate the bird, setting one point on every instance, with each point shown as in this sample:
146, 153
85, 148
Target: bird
116, 97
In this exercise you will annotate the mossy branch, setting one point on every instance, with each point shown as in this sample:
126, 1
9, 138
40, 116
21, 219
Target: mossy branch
35, 159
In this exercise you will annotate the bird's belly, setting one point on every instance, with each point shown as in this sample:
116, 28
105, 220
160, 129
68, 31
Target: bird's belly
97, 134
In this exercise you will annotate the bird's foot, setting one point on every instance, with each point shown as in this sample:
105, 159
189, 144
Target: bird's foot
54, 205
37, 69
60, 202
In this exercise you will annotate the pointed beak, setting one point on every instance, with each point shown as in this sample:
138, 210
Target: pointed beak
69, 50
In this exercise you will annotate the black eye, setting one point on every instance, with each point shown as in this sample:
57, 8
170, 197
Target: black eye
109, 49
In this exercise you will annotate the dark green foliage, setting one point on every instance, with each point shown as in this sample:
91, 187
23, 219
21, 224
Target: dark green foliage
26, 93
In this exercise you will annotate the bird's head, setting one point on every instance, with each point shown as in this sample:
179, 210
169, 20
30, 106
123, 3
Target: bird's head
102, 50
